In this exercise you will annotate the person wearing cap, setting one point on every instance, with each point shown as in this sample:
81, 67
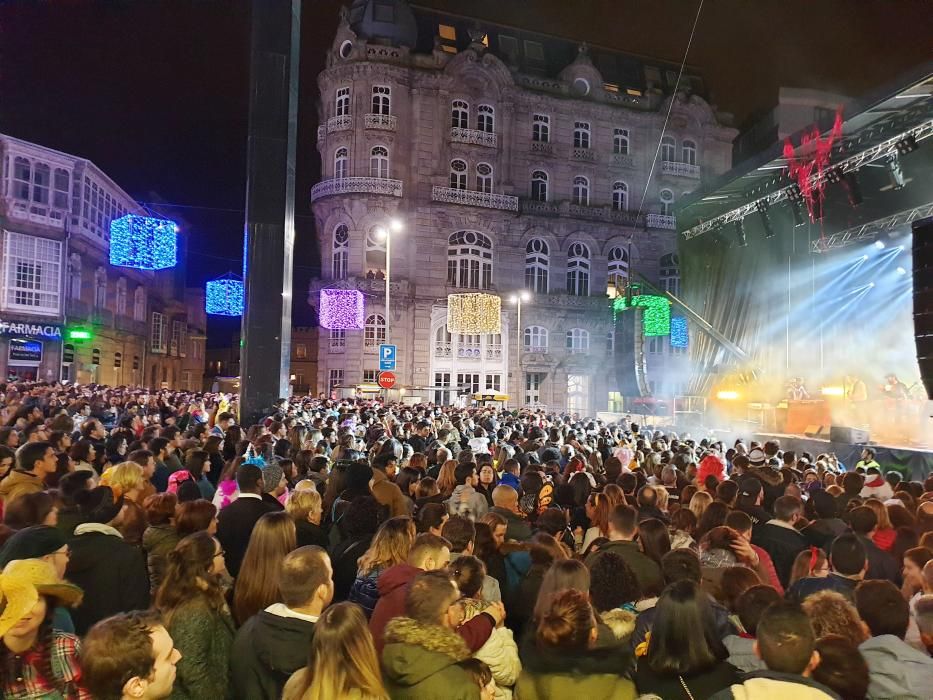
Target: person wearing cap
111, 572
45, 659
749, 499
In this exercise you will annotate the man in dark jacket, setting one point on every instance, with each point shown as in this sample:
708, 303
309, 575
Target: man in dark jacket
881, 565
505, 503
111, 572
780, 538
273, 644
749, 498
623, 528
235, 522
826, 527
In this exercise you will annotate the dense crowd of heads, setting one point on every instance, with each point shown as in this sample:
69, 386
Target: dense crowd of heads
152, 547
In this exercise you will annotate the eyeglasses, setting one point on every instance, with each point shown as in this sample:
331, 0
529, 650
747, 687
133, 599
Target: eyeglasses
221, 553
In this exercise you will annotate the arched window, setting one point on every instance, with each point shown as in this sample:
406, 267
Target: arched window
539, 186
139, 304
375, 251
581, 190
460, 114
620, 141
581, 134
668, 149
689, 151
341, 163
669, 274
535, 339
619, 196
374, 332
382, 96
342, 102
541, 128
458, 174
442, 342
485, 118
341, 252
41, 180
121, 297
618, 266
22, 177
536, 266
667, 202
469, 260
100, 288
578, 341
578, 270
379, 162
484, 178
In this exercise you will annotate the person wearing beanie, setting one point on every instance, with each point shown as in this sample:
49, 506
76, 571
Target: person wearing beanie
111, 572
274, 483
235, 522
46, 659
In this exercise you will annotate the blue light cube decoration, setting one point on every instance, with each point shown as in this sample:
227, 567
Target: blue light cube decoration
224, 296
341, 309
680, 336
143, 242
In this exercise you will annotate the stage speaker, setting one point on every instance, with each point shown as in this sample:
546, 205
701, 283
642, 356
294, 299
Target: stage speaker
631, 369
850, 436
923, 299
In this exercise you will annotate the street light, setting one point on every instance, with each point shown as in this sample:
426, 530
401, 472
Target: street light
395, 227
517, 299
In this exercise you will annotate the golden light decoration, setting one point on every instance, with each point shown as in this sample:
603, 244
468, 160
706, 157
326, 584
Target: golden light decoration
474, 313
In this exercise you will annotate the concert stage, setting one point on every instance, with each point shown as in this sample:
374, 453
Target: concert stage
918, 461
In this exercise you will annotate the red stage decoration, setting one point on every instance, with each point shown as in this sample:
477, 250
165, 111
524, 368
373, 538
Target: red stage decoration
813, 160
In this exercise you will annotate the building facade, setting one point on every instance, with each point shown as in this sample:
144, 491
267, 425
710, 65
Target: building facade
509, 162
65, 312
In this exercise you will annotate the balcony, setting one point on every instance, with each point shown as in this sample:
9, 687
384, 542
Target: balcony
670, 167
442, 349
539, 349
471, 198
587, 155
337, 346
356, 185
494, 352
371, 345
469, 351
341, 123
665, 221
383, 122
585, 211
622, 160
536, 206
543, 147
37, 213
474, 136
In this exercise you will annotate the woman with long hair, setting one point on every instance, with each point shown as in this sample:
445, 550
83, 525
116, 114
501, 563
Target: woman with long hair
389, 547
194, 516
543, 551
160, 537
256, 587
342, 663
684, 656
446, 479
654, 539
213, 445
810, 562
884, 534
698, 504
714, 515
564, 574
488, 480
191, 603
563, 660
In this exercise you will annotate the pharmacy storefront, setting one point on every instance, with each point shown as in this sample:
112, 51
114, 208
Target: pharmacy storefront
30, 351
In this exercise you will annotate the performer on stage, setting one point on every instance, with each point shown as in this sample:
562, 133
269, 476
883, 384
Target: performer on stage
894, 388
855, 389
797, 391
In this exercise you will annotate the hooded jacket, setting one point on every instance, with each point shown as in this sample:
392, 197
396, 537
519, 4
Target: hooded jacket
771, 685
268, 648
467, 502
877, 487
419, 662
500, 652
595, 674
18, 483
897, 670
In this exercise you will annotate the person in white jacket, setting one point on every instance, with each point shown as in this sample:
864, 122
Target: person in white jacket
875, 484
500, 652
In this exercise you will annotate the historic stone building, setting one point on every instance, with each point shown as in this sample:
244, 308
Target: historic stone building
65, 312
508, 161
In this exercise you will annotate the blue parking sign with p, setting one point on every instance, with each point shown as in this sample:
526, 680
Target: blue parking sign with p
387, 354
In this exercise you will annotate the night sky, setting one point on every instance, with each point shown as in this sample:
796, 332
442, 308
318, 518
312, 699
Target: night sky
155, 91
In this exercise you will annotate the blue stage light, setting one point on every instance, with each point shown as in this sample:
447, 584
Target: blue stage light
879, 245
901, 271
224, 296
680, 336
143, 242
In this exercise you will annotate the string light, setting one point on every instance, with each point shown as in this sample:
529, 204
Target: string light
657, 318
224, 296
680, 337
341, 309
143, 242
474, 313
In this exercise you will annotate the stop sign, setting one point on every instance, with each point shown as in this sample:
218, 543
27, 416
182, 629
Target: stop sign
387, 380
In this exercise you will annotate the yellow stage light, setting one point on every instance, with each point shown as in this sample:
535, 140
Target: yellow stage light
833, 391
727, 395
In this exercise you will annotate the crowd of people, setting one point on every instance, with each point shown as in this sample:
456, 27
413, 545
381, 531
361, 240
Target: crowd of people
153, 547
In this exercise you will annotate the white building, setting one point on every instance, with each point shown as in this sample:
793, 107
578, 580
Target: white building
515, 161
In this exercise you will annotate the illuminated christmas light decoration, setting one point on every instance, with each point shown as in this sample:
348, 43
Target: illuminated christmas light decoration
680, 336
143, 242
657, 318
341, 309
224, 296
474, 313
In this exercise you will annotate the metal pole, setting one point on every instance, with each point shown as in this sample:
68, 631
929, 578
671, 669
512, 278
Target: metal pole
388, 278
518, 354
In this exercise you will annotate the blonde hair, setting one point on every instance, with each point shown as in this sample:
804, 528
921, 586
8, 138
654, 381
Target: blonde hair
699, 503
663, 496
881, 511
831, 613
123, 478
390, 546
446, 478
305, 485
302, 503
343, 659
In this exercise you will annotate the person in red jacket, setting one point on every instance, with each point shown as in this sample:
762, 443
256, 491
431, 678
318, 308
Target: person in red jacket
757, 557
428, 553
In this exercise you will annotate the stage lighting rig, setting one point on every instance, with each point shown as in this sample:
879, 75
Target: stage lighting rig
895, 172
740, 237
906, 144
762, 208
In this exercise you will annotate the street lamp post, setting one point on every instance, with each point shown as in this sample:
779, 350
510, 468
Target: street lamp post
517, 299
395, 226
